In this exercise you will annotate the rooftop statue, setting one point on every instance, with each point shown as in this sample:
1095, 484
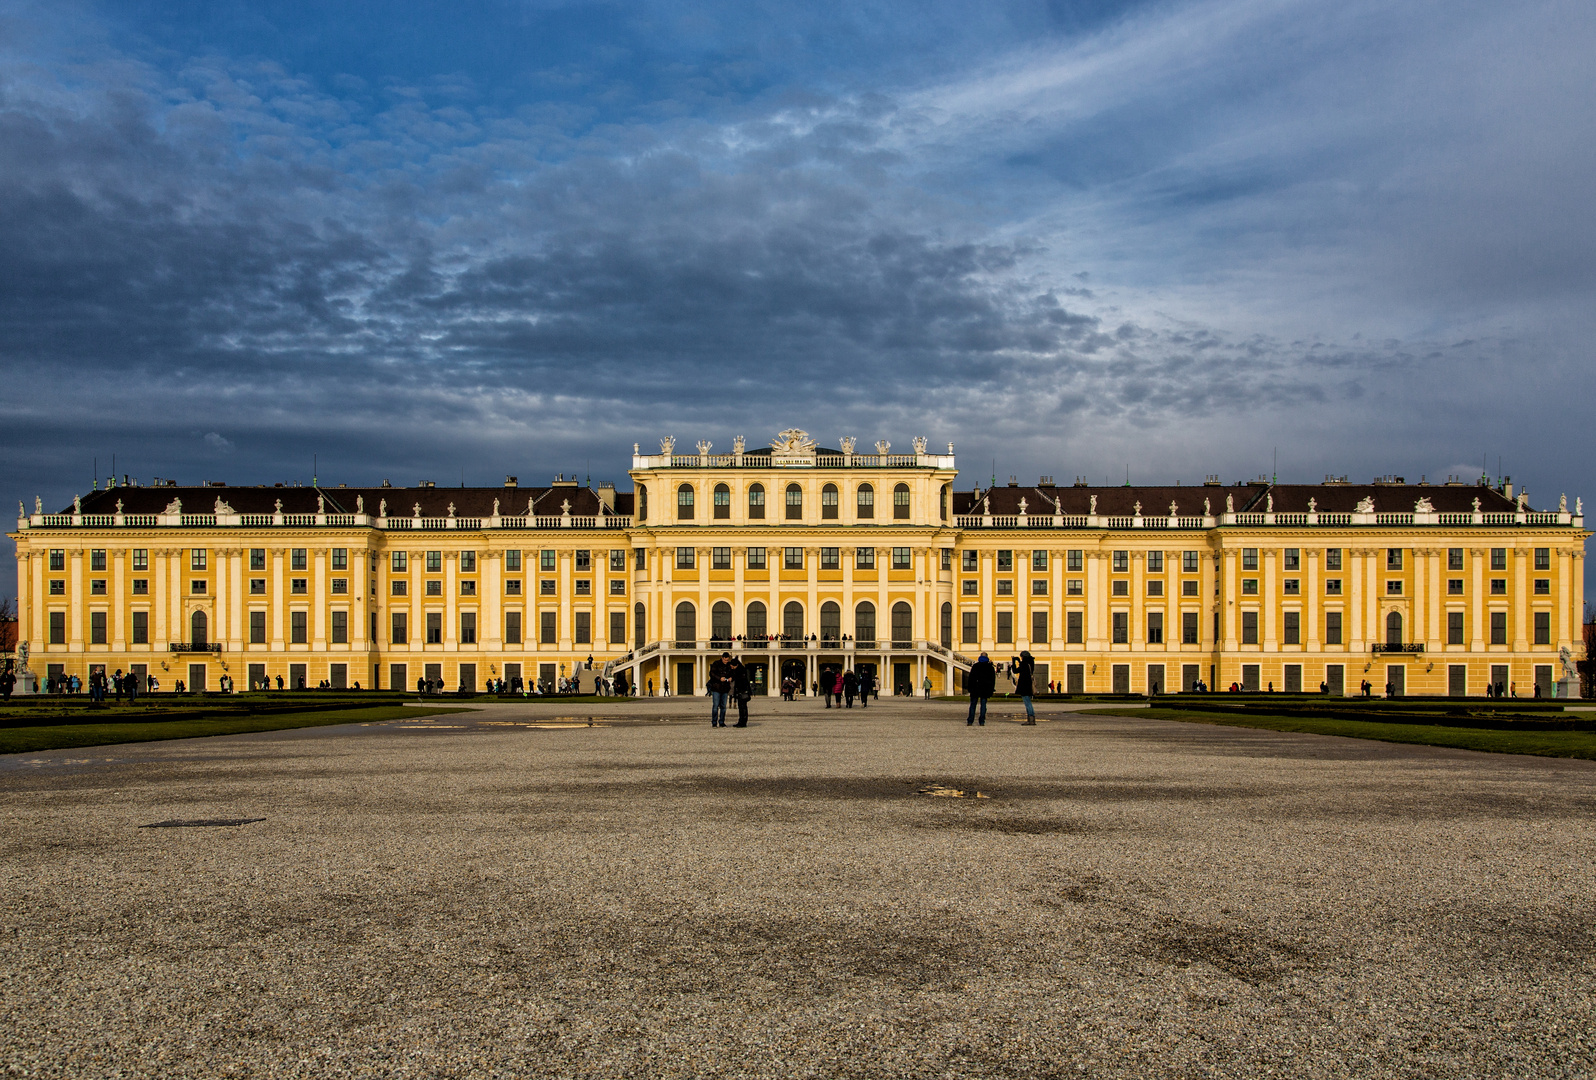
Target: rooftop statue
1476, 504
1562, 503
1365, 505
667, 445
882, 446
1093, 508
1230, 504
793, 441
1313, 505
919, 444
704, 447
1269, 503
495, 507
1424, 506
847, 442
175, 506
382, 508
739, 444
1208, 508
77, 504
360, 504
221, 507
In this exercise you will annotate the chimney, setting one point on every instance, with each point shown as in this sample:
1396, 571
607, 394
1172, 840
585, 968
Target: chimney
510, 481
606, 494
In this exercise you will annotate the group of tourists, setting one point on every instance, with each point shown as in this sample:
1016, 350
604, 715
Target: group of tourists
981, 683
843, 686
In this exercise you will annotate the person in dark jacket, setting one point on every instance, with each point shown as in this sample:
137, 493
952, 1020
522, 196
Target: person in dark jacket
720, 682
850, 687
742, 690
981, 681
1023, 672
867, 685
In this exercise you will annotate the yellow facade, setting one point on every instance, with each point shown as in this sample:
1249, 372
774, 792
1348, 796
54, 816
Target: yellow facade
804, 560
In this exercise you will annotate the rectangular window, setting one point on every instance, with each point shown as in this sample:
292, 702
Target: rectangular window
793, 558
617, 560
257, 628
546, 560
1005, 562
340, 586
1393, 558
864, 558
467, 588
1249, 586
1155, 562
97, 560
617, 628
141, 559
617, 587
58, 559
297, 633
57, 628
971, 587
512, 561
1121, 588
1332, 586
141, 628
340, 558
584, 587
96, 628
1543, 627
1332, 628
903, 558
720, 558
1155, 588
1155, 628
1073, 632
1039, 560
1074, 560
584, 559
468, 562
1292, 559
434, 628
1005, 628
512, 586
1543, 586
1291, 587
1005, 587
1039, 628
1454, 586
971, 561
830, 558
1499, 586
197, 587
684, 558
970, 630
1075, 587
340, 628
468, 628
1454, 558
1189, 588
1498, 558
197, 559
1332, 558
1454, 628
642, 559
1291, 628
141, 586
299, 586
296, 559
399, 625
1543, 559
1249, 558
1189, 563
756, 558
546, 586
1498, 628
947, 559
548, 633
97, 587
1188, 628
1039, 586
1393, 587
1121, 627
1249, 628
58, 586
1121, 562
400, 562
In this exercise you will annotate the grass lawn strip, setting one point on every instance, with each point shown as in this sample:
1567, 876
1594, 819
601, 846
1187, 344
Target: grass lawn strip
69, 736
1574, 744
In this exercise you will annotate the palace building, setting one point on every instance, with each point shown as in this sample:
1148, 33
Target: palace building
803, 560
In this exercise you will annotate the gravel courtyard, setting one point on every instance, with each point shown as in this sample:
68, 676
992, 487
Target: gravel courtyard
513, 893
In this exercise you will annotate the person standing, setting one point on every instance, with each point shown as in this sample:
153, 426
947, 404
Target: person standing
981, 680
742, 689
867, 685
927, 688
719, 684
1024, 672
850, 687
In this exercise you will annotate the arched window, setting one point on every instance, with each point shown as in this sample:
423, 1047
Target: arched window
722, 501
197, 627
795, 502
720, 623
830, 621
1393, 628
756, 502
902, 623
864, 624
867, 501
686, 625
792, 621
947, 626
900, 503
639, 625
642, 503
946, 490
828, 502
684, 503
756, 622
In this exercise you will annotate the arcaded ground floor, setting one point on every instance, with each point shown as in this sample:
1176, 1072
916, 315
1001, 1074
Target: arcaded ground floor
513, 892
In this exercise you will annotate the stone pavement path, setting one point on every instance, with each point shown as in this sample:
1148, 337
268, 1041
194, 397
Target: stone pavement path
512, 892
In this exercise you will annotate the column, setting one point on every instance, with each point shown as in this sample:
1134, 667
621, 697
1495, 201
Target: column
1476, 599
1270, 600
118, 627
1521, 598
1228, 598
1056, 603
1310, 606
1096, 600
566, 607
988, 608
1353, 624
279, 604
451, 600
491, 602
318, 605
219, 623
241, 603
701, 557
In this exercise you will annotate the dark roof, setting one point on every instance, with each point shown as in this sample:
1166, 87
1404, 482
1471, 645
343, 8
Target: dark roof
1288, 498
434, 501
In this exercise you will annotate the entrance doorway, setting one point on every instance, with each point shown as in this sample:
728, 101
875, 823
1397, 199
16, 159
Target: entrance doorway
798, 672
1396, 678
902, 679
682, 685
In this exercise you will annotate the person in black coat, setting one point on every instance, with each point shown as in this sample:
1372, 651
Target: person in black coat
867, 685
742, 690
1024, 673
981, 681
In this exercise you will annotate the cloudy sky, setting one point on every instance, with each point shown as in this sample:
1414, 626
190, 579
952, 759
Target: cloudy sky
434, 239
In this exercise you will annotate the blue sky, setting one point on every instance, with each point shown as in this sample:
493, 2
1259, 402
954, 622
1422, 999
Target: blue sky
426, 239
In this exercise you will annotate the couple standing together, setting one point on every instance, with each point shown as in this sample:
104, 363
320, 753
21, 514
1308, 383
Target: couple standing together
982, 681
728, 676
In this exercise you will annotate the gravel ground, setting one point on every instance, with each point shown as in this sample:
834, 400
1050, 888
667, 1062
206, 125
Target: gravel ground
515, 894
